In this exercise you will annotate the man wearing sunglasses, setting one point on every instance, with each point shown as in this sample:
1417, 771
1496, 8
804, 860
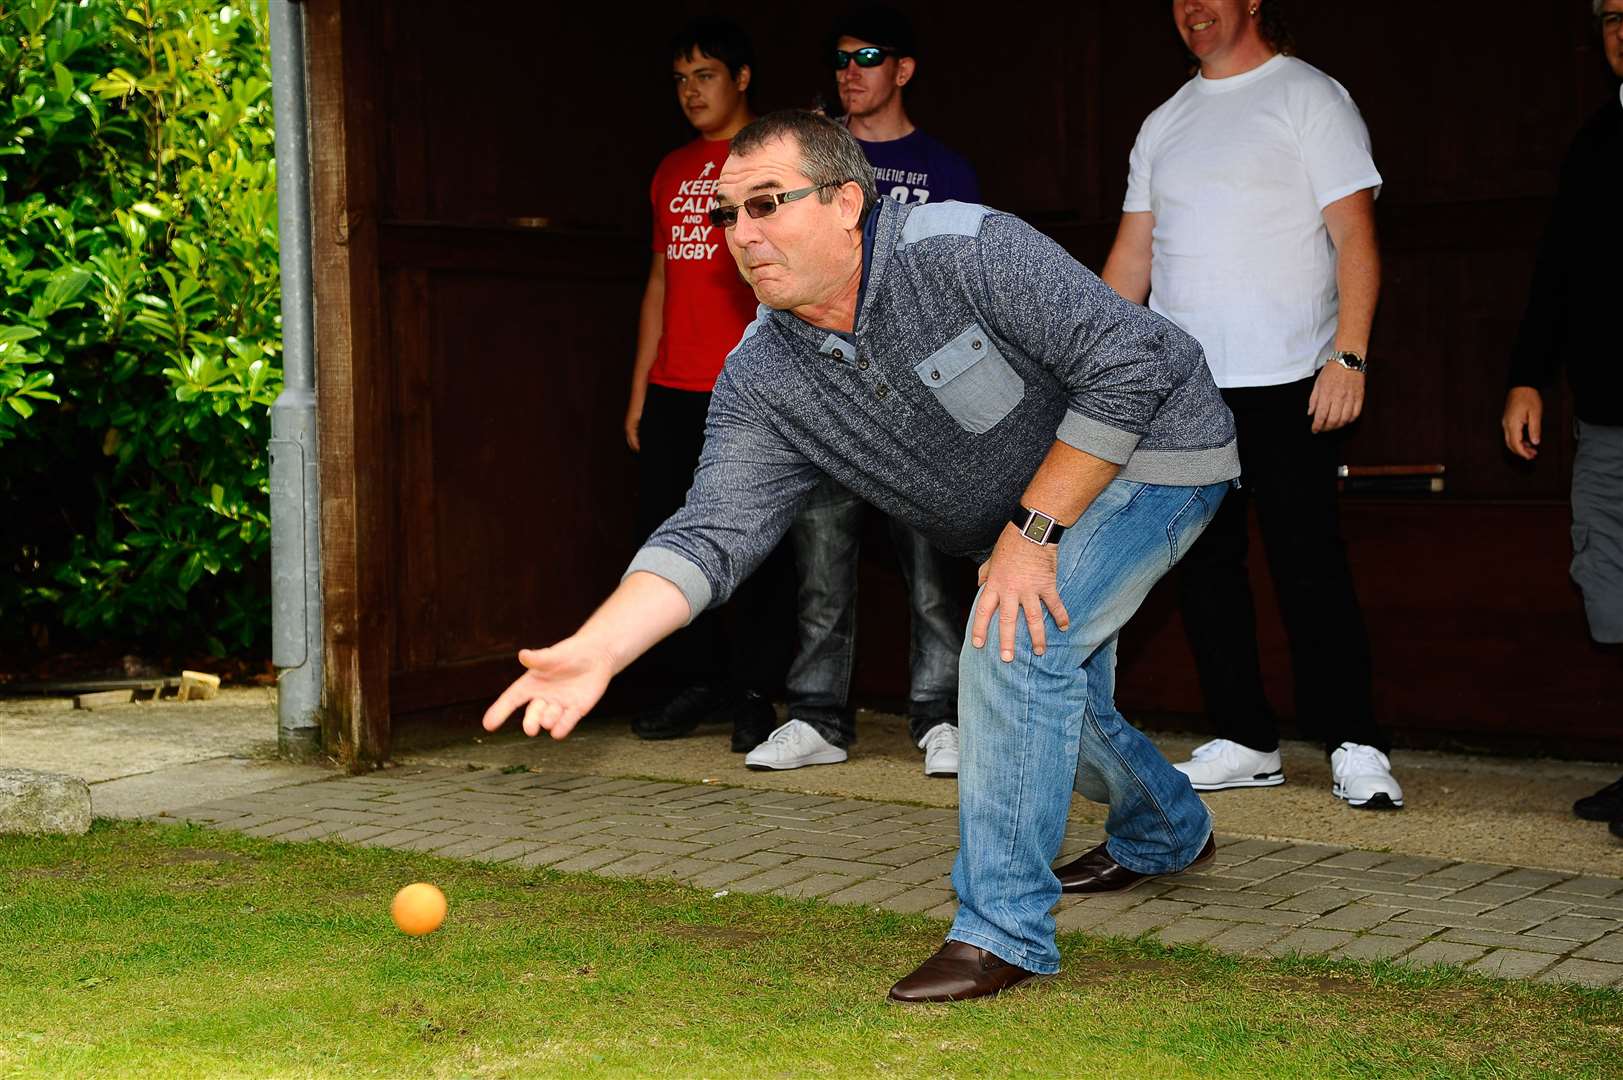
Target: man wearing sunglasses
873, 54
1571, 322
693, 310
960, 371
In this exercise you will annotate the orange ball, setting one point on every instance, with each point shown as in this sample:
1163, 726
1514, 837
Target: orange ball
418, 909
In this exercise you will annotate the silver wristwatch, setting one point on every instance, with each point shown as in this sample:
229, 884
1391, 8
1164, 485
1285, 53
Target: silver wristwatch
1351, 361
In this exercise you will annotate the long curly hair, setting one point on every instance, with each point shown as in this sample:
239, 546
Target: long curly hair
1274, 28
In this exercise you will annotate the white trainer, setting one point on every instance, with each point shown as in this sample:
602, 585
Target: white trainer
1363, 777
1224, 763
793, 745
940, 746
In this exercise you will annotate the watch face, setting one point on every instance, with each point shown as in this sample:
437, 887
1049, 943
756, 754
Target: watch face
1037, 528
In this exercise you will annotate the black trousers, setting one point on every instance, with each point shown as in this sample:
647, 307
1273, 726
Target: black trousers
1289, 473
746, 643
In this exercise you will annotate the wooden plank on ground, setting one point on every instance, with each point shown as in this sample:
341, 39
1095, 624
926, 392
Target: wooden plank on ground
101, 699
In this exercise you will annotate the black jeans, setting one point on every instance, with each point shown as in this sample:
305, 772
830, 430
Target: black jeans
747, 642
1290, 474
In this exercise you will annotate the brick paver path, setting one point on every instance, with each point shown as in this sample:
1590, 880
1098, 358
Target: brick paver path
1260, 896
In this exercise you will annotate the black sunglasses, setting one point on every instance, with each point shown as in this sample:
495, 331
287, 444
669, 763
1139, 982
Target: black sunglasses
867, 56
761, 206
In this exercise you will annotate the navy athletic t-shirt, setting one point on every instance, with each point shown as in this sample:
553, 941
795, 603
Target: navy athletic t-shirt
917, 168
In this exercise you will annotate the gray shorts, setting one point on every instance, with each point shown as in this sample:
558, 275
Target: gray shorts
1597, 527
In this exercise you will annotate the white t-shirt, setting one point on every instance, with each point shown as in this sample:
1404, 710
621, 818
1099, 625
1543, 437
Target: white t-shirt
1237, 172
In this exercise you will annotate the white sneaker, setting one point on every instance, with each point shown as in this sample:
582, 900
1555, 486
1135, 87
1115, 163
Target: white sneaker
1363, 777
940, 746
1224, 763
794, 744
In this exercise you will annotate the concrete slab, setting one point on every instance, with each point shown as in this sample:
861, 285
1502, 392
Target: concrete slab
155, 793
148, 757
142, 737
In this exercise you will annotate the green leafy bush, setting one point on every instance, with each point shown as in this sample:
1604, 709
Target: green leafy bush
139, 322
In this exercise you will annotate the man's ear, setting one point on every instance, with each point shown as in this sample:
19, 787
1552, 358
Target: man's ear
851, 204
904, 70
742, 79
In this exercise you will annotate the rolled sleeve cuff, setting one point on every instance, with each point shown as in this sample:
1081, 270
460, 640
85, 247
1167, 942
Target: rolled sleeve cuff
679, 571
1092, 437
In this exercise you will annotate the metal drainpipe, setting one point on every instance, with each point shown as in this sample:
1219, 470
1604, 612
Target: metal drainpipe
295, 490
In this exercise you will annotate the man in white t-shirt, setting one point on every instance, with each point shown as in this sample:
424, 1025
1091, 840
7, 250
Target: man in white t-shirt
1250, 222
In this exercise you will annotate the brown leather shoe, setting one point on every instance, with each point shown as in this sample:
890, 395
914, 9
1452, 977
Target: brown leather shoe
957, 972
1097, 872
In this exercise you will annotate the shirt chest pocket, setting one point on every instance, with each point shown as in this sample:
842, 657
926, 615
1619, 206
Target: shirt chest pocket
972, 381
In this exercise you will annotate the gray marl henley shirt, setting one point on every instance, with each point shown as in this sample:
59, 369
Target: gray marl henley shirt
978, 342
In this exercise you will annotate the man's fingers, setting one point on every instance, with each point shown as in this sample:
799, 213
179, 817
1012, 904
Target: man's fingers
983, 618
1320, 410
566, 723
1535, 426
1034, 624
513, 697
1005, 627
1355, 406
532, 716
551, 714
980, 575
1056, 608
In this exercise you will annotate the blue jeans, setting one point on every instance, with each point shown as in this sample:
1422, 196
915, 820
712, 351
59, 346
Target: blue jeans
827, 537
1037, 728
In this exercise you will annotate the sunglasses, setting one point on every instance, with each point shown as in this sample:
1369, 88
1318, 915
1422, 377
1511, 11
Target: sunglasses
868, 56
761, 206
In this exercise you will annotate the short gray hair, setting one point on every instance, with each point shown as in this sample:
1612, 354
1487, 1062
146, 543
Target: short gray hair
828, 153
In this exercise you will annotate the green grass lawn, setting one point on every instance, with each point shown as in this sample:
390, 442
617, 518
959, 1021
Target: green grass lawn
171, 951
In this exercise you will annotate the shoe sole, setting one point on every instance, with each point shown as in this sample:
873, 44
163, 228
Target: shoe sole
815, 759
1260, 780
942, 773
1378, 801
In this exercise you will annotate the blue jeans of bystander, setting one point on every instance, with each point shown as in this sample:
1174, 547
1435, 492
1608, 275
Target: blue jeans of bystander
827, 537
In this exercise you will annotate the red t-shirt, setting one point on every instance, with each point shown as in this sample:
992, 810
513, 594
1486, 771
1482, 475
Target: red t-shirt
707, 305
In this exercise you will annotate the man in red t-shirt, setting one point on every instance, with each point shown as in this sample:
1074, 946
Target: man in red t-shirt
694, 311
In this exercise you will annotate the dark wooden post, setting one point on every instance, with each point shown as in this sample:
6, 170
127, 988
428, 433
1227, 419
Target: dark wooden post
354, 384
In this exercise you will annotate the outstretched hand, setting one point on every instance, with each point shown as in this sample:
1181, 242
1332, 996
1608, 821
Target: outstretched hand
1019, 576
560, 686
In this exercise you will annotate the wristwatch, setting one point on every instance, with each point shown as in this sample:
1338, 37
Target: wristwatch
1036, 526
1351, 361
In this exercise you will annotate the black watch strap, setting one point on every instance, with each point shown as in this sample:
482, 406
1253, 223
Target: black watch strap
1036, 526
